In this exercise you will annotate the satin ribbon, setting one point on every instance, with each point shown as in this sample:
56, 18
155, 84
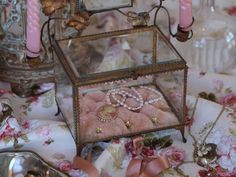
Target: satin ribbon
147, 167
85, 165
150, 167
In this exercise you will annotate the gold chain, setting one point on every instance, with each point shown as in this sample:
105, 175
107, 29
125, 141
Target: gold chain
213, 125
193, 137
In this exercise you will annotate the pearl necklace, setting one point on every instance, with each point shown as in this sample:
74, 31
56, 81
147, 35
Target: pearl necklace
124, 95
154, 91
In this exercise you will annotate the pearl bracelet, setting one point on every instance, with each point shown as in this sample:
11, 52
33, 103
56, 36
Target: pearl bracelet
154, 91
124, 95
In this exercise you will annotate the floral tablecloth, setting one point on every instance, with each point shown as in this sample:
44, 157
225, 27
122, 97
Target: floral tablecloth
35, 127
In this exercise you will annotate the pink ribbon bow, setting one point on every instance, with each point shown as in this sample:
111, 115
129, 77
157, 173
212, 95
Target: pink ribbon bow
148, 166
85, 165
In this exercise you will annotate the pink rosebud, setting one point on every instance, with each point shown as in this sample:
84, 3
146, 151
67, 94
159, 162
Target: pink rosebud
223, 172
231, 10
228, 100
25, 125
174, 155
138, 143
64, 166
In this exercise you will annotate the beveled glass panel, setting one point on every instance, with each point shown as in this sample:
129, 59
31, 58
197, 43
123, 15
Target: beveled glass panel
122, 108
165, 52
96, 55
172, 86
64, 95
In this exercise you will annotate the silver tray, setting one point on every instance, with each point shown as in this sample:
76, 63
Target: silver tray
26, 164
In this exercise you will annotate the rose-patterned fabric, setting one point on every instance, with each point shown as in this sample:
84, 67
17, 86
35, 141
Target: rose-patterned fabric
33, 126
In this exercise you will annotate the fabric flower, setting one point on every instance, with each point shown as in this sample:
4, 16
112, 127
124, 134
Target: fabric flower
231, 10
224, 173
64, 166
174, 155
2, 91
10, 128
207, 173
43, 130
25, 125
227, 152
139, 150
188, 119
228, 100
216, 172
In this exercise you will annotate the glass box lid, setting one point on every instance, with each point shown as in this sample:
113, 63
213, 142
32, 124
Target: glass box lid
135, 51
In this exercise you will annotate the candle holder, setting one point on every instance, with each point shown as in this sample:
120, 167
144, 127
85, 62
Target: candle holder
21, 71
184, 34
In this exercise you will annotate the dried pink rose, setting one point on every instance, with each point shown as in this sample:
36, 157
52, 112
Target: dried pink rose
228, 100
174, 155
64, 165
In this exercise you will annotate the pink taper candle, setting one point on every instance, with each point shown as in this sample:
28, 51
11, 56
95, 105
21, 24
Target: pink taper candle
185, 13
33, 29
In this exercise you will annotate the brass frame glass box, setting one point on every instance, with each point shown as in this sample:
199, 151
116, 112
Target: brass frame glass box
101, 101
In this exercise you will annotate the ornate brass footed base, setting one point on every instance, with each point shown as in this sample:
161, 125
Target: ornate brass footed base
24, 75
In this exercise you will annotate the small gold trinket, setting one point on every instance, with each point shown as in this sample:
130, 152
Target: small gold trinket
155, 120
98, 130
206, 154
107, 113
127, 124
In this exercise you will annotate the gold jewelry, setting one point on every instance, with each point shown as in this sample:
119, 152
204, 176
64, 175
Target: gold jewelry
155, 120
98, 130
107, 113
204, 153
128, 124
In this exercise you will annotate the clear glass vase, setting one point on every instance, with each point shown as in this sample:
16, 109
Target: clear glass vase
213, 46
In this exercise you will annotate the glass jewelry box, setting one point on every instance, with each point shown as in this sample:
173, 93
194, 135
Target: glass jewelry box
119, 84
